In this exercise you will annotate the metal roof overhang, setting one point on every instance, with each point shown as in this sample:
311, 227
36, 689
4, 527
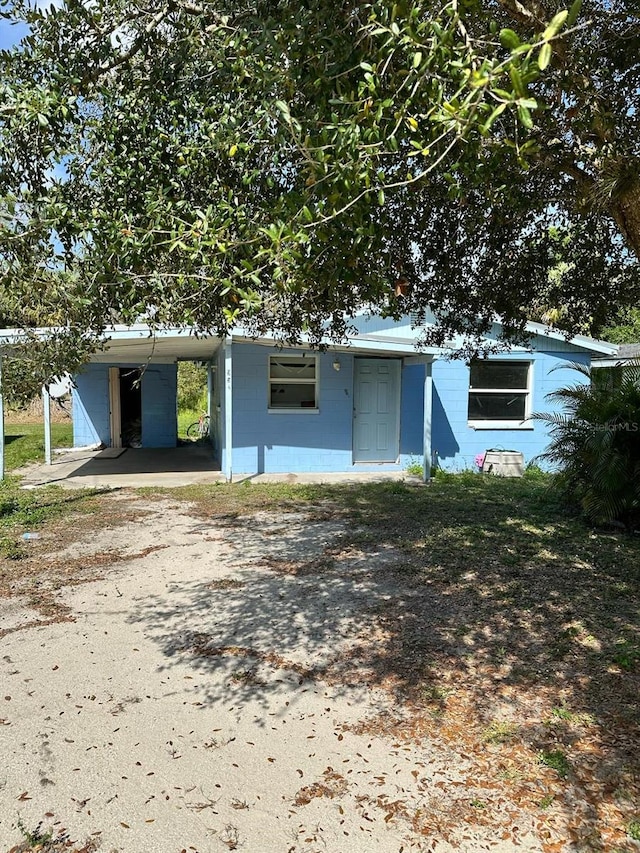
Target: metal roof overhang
137, 344
167, 345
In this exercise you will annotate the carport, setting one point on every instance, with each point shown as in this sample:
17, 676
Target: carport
99, 420
359, 407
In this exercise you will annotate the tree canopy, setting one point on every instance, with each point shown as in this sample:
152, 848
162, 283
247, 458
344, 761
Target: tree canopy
282, 164
623, 327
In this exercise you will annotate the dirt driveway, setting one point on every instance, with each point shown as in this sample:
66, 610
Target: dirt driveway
195, 696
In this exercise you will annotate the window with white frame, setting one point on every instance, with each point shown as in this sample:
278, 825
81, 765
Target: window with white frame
499, 393
293, 382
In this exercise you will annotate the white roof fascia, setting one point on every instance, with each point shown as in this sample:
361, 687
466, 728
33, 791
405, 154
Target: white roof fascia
582, 341
10, 337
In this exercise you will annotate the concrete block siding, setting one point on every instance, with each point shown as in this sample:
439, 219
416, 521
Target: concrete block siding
317, 442
159, 405
91, 405
455, 444
322, 441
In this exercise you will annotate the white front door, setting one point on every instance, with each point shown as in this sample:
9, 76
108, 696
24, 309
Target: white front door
376, 410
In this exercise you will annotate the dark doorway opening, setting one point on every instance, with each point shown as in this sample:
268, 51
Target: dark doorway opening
131, 407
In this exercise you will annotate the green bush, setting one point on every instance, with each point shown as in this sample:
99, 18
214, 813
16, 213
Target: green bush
595, 443
192, 387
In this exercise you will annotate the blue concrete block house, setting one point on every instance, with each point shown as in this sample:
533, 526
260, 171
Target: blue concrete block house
375, 404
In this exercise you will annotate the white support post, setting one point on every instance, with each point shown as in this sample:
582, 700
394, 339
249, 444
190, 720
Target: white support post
228, 412
46, 409
213, 423
209, 389
427, 419
1, 425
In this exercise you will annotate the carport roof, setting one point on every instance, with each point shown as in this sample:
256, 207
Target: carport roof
139, 343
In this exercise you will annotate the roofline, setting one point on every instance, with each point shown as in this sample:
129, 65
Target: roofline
583, 341
142, 330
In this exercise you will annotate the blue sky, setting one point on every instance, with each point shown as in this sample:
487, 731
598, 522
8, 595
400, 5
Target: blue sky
10, 34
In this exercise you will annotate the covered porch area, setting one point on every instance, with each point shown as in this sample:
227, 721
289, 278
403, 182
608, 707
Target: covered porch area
134, 467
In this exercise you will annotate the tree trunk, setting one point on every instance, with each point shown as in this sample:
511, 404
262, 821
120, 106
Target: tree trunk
625, 208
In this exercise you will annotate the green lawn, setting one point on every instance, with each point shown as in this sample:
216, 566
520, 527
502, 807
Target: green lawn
186, 417
24, 443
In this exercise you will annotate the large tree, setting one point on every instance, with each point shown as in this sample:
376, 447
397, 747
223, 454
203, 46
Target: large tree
282, 164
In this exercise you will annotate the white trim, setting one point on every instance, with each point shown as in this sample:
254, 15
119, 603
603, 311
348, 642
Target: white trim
124, 359
612, 362
293, 411
410, 360
377, 341
46, 413
582, 341
315, 382
479, 425
228, 409
502, 423
427, 417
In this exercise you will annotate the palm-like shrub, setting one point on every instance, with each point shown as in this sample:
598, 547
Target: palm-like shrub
595, 442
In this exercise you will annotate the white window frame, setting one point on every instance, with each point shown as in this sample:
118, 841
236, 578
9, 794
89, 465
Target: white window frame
289, 410
528, 394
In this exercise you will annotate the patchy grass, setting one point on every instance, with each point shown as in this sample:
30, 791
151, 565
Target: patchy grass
511, 636
556, 760
39, 840
500, 732
23, 511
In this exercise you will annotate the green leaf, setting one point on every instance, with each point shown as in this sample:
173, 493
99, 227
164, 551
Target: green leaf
525, 117
555, 24
574, 11
417, 58
544, 57
517, 83
494, 115
509, 39
381, 197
